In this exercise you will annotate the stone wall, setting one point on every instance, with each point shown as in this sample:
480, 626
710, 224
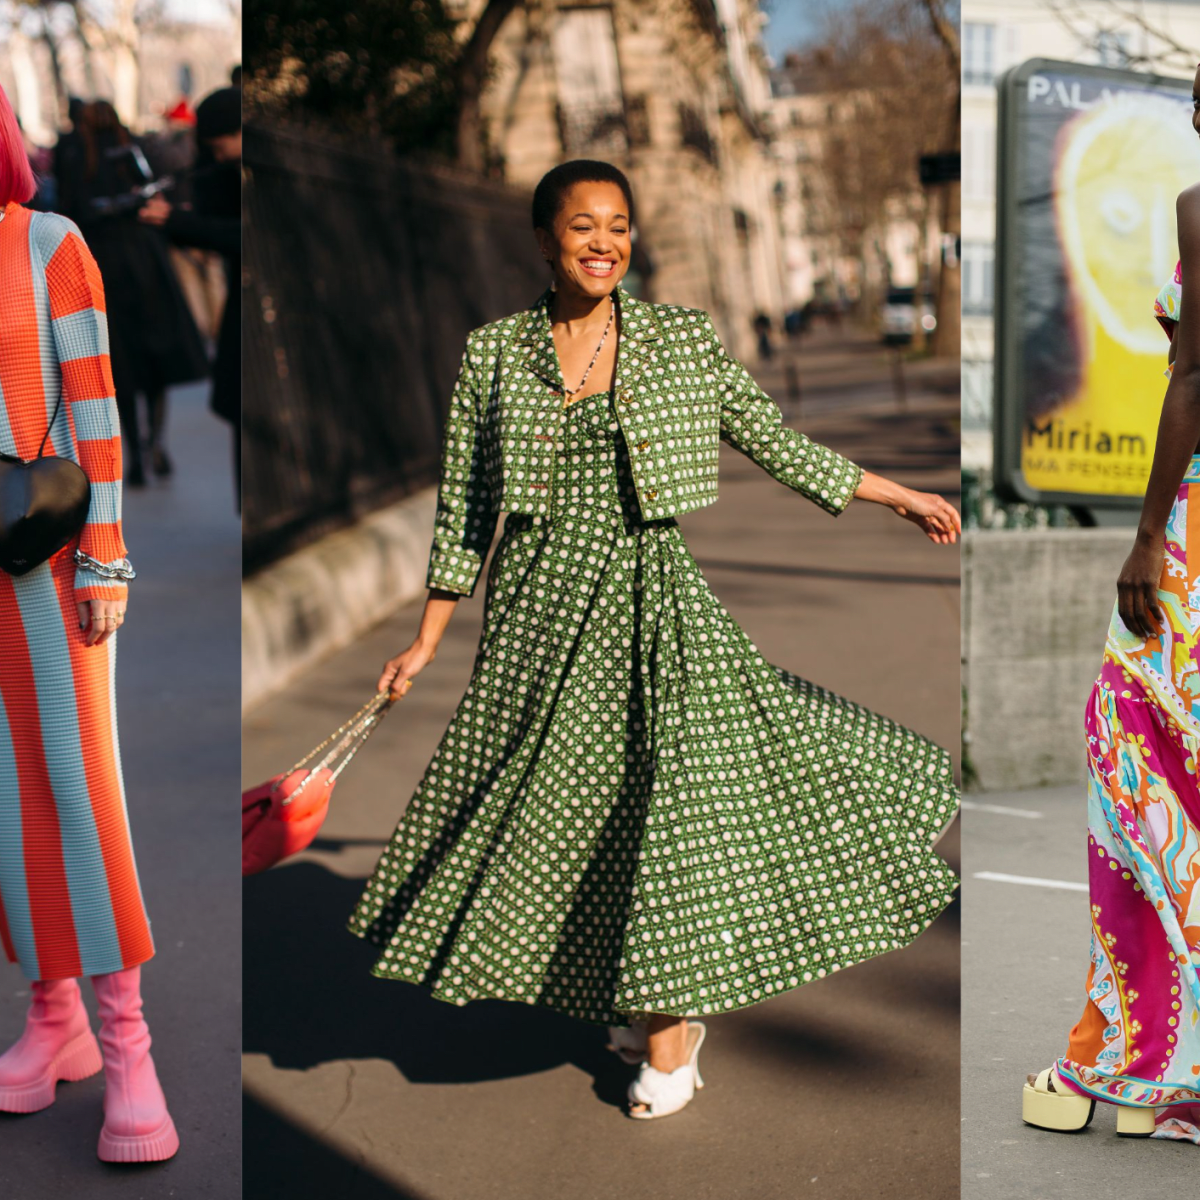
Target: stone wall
1036, 607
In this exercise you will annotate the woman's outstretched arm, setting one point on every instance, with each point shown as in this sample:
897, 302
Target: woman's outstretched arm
752, 423
938, 518
1178, 433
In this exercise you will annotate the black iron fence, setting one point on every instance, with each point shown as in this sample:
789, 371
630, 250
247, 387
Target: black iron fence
362, 277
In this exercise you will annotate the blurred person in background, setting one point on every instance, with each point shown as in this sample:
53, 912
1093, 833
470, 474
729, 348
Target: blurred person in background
762, 332
68, 145
214, 222
154, 339
174, 151
70, 899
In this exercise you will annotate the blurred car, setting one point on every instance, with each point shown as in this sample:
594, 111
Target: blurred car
898, 315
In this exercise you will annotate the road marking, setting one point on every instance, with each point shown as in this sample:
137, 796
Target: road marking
971, 806
1031, 881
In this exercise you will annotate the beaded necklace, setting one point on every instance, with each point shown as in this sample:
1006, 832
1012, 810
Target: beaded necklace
569, 392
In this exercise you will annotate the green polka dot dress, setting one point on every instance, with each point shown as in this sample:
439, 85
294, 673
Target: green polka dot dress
631, 810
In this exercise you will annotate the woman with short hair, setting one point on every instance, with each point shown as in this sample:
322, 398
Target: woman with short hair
633, 818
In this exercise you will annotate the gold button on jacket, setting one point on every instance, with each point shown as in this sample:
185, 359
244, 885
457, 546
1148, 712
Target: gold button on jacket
679, 391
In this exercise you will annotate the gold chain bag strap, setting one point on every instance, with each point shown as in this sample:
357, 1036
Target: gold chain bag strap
345, 741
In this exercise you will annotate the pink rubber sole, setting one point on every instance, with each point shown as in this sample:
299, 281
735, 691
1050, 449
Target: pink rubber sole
148, 1147
78, 1059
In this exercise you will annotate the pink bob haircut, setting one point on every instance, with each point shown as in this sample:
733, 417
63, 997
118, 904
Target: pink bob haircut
16, 175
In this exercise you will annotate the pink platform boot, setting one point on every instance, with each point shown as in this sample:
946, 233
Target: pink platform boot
58, 1043
137, 1126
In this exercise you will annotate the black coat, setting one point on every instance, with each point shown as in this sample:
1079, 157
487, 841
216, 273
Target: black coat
153, 338
215, 223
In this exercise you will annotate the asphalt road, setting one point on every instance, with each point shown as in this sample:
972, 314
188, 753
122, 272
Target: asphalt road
362, 1088
1024, 963
178, 679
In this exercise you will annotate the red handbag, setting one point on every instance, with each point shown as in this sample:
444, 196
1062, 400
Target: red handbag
282, 816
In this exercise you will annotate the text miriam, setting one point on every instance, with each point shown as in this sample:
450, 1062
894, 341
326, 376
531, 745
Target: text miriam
1055, 435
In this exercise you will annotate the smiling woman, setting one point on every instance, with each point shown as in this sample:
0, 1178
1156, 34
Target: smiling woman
633, 817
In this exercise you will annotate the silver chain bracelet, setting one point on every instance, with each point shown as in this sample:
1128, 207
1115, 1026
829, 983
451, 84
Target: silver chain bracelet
121, 569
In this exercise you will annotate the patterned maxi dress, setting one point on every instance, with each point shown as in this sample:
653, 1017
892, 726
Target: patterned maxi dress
70, 902
632, 811
1138, 1041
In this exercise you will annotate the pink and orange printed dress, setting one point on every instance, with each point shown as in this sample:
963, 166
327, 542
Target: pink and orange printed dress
1138, 1041
70, 901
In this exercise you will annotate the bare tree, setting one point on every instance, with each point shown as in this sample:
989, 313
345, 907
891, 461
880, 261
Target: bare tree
471, 76
948, 337
890, 94
1101, 28
120, 34
44, 10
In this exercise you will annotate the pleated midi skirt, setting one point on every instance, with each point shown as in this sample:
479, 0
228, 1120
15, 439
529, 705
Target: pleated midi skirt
70, 900
632, 811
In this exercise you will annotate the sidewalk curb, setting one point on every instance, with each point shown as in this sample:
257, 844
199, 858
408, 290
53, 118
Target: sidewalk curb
312, 603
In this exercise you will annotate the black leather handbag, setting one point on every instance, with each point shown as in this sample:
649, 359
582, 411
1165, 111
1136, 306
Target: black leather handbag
43, 505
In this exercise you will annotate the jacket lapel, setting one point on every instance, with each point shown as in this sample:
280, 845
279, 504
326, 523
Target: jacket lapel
535, 345
640, 331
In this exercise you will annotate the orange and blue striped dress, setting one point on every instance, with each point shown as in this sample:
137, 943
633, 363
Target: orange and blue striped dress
70, 901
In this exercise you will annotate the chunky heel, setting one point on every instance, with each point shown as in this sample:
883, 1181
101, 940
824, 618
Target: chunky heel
1135, 1122
57, 1045
137, 1126
81, 1059
1059, 1109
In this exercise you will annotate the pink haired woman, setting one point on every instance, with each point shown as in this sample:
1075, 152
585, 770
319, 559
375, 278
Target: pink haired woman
70, 901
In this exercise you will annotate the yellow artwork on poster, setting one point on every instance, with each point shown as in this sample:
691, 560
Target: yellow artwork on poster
1119, 166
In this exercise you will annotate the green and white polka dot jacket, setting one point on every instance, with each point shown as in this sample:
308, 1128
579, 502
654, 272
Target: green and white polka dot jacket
678, 395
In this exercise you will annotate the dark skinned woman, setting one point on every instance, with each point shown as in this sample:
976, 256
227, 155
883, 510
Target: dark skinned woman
633, 818
1137, 1045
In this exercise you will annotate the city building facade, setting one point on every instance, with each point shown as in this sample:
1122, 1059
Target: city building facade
677, 94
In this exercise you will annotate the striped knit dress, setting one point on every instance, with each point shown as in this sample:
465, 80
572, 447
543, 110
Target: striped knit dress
70, 902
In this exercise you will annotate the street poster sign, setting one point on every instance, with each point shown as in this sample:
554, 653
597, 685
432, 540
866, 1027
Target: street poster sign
1091, 160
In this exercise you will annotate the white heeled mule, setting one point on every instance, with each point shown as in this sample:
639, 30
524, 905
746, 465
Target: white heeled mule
665, 1092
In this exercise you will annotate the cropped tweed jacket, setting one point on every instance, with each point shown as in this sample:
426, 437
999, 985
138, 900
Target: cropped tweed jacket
679, 394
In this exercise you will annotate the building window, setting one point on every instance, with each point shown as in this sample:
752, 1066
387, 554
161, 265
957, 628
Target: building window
976, 394
978, 277
591, 107
637, 121
1112, 48
693, 132
979, 54
979, 162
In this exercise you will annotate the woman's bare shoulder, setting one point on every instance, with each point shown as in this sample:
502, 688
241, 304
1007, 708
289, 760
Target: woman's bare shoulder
1189, 200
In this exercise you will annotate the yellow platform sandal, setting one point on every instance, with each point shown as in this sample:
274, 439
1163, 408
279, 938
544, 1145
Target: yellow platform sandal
1048, 1103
